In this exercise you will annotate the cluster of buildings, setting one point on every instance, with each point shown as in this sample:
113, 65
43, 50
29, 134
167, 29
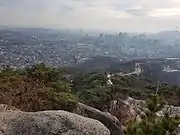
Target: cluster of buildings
23, 47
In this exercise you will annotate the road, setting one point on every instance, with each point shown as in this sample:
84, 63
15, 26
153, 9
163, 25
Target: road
137, 71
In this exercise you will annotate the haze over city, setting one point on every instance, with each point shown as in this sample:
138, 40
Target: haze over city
114, 15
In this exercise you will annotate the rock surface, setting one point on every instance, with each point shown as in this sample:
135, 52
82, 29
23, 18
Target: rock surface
111, 122
49, 123
7, 108
125, 110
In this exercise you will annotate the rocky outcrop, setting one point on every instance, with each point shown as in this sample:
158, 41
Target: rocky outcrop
111, 122
49, 123
125, 110
172, 110
7, 108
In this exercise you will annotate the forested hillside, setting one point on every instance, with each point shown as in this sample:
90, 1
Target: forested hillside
39, 87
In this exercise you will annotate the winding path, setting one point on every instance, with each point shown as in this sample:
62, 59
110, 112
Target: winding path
136, 71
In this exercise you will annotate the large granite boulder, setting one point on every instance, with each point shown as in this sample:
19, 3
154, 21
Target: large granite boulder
49, 123
110, 121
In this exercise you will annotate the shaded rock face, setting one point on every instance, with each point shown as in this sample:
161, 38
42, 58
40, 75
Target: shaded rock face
111, 122
49, 123
125, 110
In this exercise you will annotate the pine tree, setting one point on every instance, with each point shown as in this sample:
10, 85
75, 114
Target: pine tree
150, 123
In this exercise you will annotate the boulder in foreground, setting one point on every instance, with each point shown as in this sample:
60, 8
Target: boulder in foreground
49, 123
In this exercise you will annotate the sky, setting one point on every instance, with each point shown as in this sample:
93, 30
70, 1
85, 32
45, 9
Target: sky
114, 15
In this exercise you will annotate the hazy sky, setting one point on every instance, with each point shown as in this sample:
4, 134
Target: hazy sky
118, 15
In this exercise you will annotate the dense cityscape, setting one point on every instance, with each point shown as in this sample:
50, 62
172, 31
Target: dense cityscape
21, 47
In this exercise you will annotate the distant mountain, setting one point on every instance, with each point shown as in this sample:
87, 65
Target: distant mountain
168, 34
3, 27
169, 37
